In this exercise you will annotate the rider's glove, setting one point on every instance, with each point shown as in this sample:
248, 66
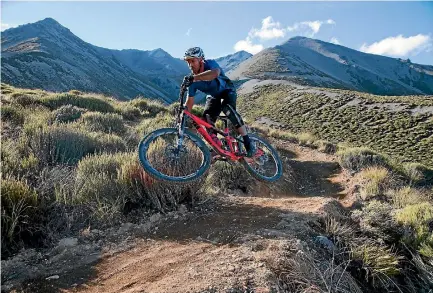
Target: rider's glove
188, 79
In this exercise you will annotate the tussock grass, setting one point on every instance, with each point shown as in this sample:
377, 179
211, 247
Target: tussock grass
306, 139
284, 135
376, 180
405, 196
150, 108
379, 262
358, 158
129, 112
224, 176
103, 122
325, 146
67, 113
89, 102
12, 114
417, 219
418, 174
150, 124
19, 209
60, 144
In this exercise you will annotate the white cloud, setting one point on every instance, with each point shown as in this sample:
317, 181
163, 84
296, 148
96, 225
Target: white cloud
189, 31
248, 46
269, 30
314, 25
334, 40
5, 26
309, 28
399, 46
273, 30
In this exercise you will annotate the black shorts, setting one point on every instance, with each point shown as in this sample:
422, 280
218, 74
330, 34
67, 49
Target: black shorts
214, 105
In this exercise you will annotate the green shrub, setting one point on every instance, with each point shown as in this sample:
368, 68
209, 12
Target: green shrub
160, 121
378, 261
417, 218
376, 180
325, 146
376, 218
108, 123
129, 112
67, 113
24, 99
87, 102
224, 176
109, 143
418, 174
405, 196
12, 114
97, 178
284, 135
306, 139
358, 158
60, 144
148, 106
19, 206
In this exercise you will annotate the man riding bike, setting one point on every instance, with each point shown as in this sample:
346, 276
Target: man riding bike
208, 77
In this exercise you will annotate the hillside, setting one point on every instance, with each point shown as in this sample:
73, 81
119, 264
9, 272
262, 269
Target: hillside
400, 126
231, 61
48, 56
316, 63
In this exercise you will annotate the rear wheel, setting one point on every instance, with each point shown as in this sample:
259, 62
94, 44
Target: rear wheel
266, 164
162, 159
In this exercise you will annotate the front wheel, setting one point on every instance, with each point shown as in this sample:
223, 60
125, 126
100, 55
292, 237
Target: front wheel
266, 164
163, 159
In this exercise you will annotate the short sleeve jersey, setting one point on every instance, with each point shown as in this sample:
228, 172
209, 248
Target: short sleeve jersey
212, 87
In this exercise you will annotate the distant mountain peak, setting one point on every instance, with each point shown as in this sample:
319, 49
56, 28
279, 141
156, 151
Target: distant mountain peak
158, 53
231, 61
48, 20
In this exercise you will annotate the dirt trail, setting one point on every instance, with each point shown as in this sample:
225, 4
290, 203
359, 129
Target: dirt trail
223, 247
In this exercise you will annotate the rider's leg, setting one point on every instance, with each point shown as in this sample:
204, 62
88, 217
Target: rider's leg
212, 109
228, 106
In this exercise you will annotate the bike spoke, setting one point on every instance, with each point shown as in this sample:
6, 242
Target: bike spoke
264, 164
165, 156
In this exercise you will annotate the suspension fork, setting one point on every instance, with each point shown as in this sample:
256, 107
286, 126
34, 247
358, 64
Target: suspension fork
181, 118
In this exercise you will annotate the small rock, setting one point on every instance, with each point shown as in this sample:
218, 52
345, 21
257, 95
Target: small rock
125, 228
155, 218
55, 277
68, 242
182, 209
324, 241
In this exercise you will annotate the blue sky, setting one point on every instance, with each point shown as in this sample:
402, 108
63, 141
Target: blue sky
395, 29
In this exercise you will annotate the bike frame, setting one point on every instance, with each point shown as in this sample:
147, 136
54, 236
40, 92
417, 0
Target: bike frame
203, 127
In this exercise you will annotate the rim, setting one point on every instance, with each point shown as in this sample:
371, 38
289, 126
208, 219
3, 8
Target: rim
164, 158
266, 164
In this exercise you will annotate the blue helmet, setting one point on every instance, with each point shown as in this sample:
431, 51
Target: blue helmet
194, 52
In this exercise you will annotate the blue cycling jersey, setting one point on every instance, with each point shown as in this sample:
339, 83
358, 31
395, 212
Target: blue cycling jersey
212, 87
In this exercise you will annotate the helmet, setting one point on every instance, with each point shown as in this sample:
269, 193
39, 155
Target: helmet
194, 52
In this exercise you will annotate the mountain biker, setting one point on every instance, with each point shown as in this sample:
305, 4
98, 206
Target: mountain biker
208, 77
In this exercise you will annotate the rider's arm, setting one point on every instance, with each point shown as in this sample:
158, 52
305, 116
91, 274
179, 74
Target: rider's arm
207, 75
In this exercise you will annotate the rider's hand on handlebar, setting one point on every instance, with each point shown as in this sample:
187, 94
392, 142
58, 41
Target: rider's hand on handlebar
188, 80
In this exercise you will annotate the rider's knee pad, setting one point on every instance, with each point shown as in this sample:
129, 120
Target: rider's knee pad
233, 115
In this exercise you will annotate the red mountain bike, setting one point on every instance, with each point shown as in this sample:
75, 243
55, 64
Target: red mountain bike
179, 155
